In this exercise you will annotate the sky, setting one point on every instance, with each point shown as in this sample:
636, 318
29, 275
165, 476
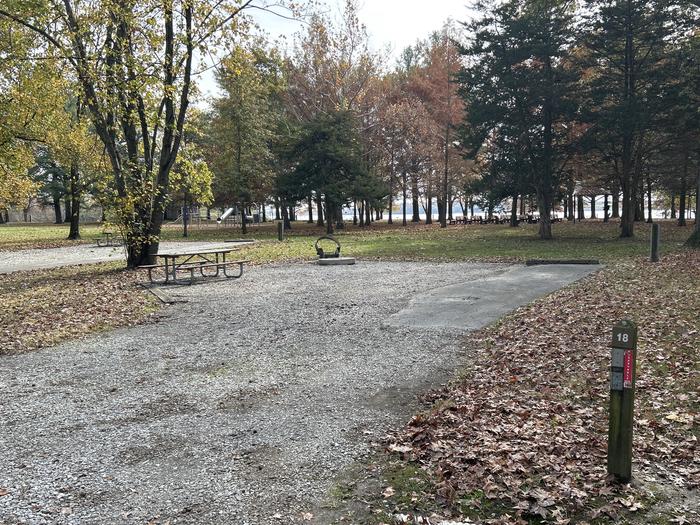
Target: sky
398, 23
393, 23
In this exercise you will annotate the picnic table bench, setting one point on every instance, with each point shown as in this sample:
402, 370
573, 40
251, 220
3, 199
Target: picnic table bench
109, 239
213, 261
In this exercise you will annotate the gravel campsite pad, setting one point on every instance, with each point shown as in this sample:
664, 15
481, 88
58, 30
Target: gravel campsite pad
240, 405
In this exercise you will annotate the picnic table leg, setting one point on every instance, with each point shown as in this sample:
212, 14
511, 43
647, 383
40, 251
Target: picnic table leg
240, 272
174, 275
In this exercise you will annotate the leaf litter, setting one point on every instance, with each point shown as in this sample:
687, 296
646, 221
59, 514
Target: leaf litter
522, 437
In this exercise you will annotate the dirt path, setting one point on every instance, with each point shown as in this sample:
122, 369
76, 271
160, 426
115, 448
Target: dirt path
238, 407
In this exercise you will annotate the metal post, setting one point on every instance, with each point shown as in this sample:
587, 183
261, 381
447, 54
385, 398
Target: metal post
280, 231
655, 237
622, 385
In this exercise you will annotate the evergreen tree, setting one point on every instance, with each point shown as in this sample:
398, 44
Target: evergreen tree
325, 158
518, 87
628, 44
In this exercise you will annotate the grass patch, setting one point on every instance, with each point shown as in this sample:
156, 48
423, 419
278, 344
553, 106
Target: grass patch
26, 236
586, 240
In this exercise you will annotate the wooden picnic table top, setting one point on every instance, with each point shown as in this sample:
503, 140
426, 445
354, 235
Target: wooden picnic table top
195, 252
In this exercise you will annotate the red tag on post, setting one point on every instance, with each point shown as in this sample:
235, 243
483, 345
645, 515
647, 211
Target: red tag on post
627, 372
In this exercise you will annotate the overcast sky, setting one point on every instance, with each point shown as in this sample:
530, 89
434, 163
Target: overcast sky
398, 23
394, 23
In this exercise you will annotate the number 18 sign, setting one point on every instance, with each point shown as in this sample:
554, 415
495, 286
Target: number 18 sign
624, 335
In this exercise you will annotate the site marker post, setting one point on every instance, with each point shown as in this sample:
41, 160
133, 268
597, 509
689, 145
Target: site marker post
655, 238
623, 375
280, 231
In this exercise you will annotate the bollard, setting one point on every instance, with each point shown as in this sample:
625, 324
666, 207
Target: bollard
655, 230
280, 231
622, 384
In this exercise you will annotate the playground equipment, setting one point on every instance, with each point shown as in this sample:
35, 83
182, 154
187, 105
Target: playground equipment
225, 215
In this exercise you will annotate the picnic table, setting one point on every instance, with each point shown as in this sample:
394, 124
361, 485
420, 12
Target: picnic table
208, 263
108, 238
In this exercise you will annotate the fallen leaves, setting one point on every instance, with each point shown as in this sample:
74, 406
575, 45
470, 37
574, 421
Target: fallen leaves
44, 307
527, 428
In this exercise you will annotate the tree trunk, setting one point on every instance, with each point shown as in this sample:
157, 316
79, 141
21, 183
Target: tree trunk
244, 220
362, 213
368, 214
414, 197
311, 209
628, 183
673, 205
74, 233
684, 192
330, 216
319, 210
580, 211
391, 189
682, 205
606, 209
639, 199
67, 205
616, 205
514, 212
572, 212
650, 218
57, 208
404, 198
593, 198
545, 209
429, 206
694, 239
354, 213
285, 216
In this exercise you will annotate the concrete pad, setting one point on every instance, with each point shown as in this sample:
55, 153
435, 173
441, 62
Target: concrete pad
336, 261
474, 304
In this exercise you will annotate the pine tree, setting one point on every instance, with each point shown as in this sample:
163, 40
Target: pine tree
518, 89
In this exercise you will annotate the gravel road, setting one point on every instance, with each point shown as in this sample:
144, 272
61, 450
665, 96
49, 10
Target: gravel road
236, 407
39, 259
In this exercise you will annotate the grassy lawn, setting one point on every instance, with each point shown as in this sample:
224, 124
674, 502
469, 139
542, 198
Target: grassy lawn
587, 240
24, 236
591, 240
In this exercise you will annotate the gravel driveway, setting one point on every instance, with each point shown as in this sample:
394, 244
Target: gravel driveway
237, 407
42, 258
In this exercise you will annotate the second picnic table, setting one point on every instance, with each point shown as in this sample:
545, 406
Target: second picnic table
192, 261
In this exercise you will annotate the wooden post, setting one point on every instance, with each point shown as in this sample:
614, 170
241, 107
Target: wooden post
655, 237
622, 384
280, 231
